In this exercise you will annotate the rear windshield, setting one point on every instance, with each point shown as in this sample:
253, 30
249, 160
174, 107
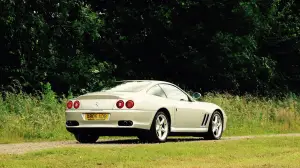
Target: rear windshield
127, 86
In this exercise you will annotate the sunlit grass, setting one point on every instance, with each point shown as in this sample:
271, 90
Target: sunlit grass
261, 152
28, 118
251, 115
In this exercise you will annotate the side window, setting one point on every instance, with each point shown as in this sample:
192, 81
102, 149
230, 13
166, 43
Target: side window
174, 93
156, 91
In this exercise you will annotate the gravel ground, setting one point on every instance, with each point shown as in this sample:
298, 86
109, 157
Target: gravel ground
21, 148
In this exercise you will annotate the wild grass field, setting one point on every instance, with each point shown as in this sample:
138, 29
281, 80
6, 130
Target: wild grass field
251, 153
29, 118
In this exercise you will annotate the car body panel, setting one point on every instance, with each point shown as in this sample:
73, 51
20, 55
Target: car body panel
185, 116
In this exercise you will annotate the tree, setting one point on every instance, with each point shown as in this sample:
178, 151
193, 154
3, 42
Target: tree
48, 41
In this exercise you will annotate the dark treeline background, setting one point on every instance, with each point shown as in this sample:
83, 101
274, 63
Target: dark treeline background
249, 46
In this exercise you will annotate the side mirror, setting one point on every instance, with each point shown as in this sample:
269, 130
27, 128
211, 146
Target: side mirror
196, 95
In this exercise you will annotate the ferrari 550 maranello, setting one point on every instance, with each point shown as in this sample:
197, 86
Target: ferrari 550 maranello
151, 110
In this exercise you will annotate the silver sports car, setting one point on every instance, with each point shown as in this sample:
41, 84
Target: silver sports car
151, 110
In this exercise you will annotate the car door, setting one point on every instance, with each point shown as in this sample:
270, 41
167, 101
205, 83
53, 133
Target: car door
187, 113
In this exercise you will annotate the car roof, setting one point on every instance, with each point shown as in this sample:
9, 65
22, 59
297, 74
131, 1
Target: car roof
152, 81
155, 82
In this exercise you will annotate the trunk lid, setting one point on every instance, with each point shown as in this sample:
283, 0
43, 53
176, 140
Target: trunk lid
101, 100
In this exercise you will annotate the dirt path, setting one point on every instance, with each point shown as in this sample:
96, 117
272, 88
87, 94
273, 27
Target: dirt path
21, 148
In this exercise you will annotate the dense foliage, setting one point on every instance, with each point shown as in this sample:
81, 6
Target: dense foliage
230, 45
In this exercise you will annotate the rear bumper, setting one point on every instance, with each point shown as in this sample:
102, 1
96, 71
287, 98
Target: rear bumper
140, 120
107, 131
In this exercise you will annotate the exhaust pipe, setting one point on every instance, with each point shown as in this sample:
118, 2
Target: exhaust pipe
125, 123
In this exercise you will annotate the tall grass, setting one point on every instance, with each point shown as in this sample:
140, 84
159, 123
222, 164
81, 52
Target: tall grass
251, 115
25, 117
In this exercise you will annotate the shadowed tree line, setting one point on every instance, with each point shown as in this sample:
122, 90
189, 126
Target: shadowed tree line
235, 46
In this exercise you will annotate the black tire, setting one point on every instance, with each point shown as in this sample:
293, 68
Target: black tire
143, 137
210, 135
86, 138
152, 136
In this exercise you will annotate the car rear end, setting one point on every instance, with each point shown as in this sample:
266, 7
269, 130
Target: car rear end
107, 114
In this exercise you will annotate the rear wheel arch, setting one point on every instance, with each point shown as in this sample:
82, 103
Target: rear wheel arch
166, 111
151, 135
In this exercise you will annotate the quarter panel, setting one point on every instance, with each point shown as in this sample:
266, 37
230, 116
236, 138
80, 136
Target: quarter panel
154, 103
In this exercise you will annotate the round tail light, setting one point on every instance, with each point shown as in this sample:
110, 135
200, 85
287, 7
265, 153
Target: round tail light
129, 104
120, 104
69, 104
76, 104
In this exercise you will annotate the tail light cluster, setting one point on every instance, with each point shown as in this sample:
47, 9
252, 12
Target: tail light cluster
120, 104
74, 104
129, 104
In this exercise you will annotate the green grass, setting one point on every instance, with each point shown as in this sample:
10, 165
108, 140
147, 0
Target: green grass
27, 118
261, 152
250, 115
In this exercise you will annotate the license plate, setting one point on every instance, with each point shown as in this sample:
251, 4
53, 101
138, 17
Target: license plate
96, 116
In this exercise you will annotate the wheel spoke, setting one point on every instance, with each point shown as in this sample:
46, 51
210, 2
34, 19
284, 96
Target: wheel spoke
162, 121
159, 133
214, 129
157, 121
216, 119
157, 127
